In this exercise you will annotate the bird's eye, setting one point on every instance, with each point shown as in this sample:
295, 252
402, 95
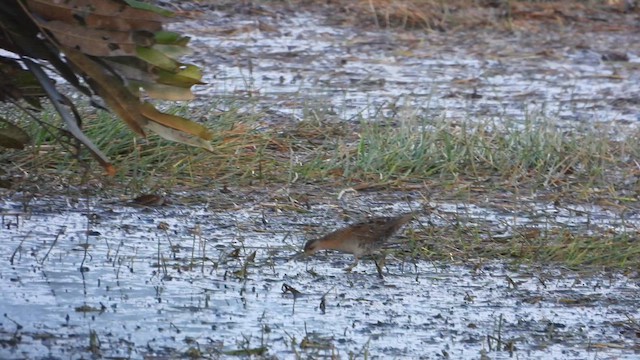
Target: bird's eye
310, 246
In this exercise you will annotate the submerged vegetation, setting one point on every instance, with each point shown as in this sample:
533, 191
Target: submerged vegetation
493, 164
525, 236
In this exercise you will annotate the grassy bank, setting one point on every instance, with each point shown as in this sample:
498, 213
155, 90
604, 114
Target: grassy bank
508, 167
534, 154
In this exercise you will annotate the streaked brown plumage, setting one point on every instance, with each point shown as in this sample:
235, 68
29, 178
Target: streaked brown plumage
359, 239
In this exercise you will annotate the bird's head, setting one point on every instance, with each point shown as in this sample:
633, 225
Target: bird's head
311, 247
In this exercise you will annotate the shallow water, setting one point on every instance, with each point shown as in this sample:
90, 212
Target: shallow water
158, 282
292, 65
146, 291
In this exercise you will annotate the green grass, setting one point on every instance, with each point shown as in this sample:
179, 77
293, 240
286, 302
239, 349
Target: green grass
474, 162
529, 156
475, 245
419, 149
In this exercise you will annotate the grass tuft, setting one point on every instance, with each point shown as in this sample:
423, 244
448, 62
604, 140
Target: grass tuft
418, 149
494, 165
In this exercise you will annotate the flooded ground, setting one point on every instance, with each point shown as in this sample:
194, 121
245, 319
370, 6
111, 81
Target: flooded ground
83, 279
290, 64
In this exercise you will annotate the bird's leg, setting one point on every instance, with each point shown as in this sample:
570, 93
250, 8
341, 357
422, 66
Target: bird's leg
379, 268
380, 264
350, 267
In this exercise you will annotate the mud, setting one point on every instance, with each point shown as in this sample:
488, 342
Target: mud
95, 278
83, 279
294, 66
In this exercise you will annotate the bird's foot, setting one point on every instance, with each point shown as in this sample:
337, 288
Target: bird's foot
350, 267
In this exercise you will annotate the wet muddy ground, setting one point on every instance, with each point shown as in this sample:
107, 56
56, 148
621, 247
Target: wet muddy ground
84, 279
291, 65
97, 278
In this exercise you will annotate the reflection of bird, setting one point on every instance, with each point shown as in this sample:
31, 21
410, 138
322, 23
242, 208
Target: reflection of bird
359, 239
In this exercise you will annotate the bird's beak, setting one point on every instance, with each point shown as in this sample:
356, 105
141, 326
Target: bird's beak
298, 256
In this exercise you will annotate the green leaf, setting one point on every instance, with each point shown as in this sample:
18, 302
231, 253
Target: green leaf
175, 122
171, 38
165, 92
155, 57
144, 6
173, 51
179, 136
187, 77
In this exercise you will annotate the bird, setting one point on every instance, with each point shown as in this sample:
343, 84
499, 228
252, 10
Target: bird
363, 238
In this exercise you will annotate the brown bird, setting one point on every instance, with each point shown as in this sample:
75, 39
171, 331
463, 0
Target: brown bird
360, 239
